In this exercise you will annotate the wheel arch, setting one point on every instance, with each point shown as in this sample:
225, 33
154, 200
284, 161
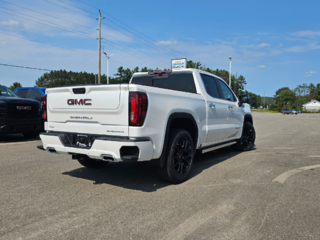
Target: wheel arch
178, 120
248, 118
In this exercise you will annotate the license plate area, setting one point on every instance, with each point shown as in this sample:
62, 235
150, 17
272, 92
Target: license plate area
83, 141
75, 140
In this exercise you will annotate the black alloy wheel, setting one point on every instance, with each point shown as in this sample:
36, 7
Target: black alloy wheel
182, 156
246, 142
179, 157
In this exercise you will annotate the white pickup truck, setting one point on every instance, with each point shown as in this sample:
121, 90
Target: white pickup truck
163, 117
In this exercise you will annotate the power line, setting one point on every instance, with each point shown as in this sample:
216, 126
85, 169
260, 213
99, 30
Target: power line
69, 9
8, 65
61, 27
70, 30
47, 15
124, 24
87, 16
146, 42
47, 43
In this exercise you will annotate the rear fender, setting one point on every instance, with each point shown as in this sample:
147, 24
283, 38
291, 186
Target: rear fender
160, 161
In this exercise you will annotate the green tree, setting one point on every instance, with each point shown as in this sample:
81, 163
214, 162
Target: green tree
255, 100
313, 91
285, 98
318, 92
237, 83
15, 85
64, 78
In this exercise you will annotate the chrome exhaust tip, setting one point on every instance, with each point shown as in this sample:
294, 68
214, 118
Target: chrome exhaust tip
52, 150
107, 158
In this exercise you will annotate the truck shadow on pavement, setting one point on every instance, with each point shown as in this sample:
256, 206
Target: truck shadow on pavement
142, 176
13, 138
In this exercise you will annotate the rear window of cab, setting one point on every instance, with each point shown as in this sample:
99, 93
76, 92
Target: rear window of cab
177, 81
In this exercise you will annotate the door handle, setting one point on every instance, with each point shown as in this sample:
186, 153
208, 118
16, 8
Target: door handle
230, 107
212, 105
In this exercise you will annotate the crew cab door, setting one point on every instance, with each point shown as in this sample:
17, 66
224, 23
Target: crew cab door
217, 111
234, 120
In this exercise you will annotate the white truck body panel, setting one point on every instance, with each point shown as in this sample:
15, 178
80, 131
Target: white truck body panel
108, 114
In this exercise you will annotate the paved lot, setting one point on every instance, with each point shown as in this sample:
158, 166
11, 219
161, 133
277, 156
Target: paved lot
271, 192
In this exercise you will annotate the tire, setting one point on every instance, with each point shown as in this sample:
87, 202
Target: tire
246, 142
31, 134
179, 157
92, 163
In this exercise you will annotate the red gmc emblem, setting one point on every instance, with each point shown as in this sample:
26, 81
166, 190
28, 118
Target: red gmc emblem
79, 102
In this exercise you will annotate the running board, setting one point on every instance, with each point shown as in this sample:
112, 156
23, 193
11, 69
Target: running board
217, 147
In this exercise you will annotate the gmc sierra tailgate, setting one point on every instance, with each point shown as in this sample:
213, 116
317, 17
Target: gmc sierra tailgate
94, 109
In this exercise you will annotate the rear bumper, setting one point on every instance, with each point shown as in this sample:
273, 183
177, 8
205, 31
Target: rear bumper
21, 126
105, 145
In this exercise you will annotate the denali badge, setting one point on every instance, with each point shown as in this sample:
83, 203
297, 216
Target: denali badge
81, 117
24, 107
79, 102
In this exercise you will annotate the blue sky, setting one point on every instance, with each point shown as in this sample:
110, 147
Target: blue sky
272, 43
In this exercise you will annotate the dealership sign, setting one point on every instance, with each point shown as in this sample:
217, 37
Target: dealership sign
178, 63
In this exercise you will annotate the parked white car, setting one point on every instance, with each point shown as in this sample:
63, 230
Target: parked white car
162, 117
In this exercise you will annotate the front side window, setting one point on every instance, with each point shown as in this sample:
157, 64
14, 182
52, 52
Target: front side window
226, 93
210, 85
5, 92
22, 93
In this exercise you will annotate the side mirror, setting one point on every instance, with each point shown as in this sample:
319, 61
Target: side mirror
244, 99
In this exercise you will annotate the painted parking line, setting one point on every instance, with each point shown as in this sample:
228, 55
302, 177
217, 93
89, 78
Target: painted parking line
284, 176
282, 148
15, 143
314, 156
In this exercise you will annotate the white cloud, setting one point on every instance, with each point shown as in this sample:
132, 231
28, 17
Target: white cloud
307, 33
12, 24
167, 43
309, 74
262, 66
303, 48
262, 45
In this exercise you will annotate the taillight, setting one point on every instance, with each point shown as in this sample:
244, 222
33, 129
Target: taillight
44, 107
138, 108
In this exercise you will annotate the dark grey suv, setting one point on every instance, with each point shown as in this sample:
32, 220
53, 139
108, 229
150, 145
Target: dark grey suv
289, 111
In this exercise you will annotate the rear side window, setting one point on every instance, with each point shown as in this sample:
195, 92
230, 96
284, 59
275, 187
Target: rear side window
183, 82
210, 85
23, 93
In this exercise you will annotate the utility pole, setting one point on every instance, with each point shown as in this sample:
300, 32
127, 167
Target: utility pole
99, 51
230, 74
264, 93
99, 48
108, 57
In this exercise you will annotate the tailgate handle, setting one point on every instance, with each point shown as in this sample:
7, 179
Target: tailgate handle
79, 90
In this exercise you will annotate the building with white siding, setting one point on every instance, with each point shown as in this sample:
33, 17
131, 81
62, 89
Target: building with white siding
312, 106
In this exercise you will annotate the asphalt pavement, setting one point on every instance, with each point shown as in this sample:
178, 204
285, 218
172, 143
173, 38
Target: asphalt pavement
271, 192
